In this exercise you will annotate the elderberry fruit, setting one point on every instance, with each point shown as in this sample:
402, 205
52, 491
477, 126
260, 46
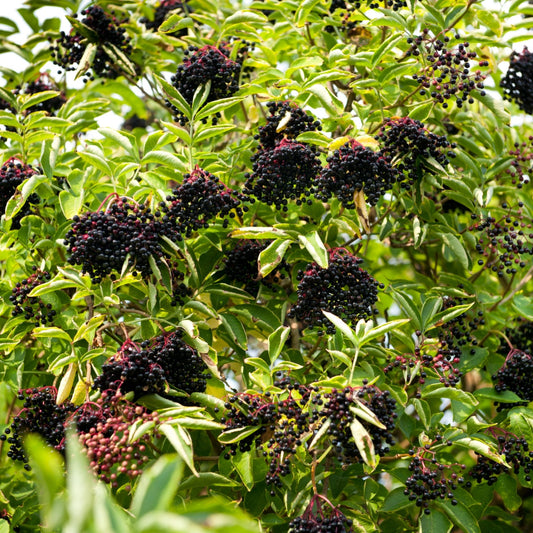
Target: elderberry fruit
210, 63
162, 11
516, 83
283, 173
101, 241
41, 84
447, 73
101, 30
320, 518
12, 174
521, 167
40, 414
395, 5
285, 121
32, 307
200, 198
516, 376
520, 336
344, 289
353, 168
409, 145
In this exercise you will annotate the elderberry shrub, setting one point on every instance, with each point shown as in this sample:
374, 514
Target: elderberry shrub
104, 31
286, 172
241, 265
337, 410
12, 174
354, 168
447, 73
320, 518
409, 144
100, 241
516, 83
162, 11
200, 198
32, 307
431, 480
515, 376
506, 243
210, 63
516, 452
344, 289
146, 369
108, 445
285, 121
39, 414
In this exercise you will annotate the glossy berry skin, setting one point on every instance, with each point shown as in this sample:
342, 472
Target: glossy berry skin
200, 198
33, 308
516, 376
354, 168
104, 30
286, 120
209, 63
101, 241
344, 289
284, 173
520, 336
516, 83
162, 12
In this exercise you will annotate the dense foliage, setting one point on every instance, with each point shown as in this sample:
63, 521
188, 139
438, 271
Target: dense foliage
289, 289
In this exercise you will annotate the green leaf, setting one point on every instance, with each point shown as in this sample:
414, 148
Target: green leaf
237, 434
449, 314
70, 203
364, 443
456, 248
157, 485
344, 328
521, 419
272, 255
506, 487
395, 501
460, 515
176, 23
422, 111
51, 332
88, 330
380, 330
501, 397
434, 522
181, 442
217, 106
243, 463
276, 341
235, 329
314, 245
86, 60
258, 232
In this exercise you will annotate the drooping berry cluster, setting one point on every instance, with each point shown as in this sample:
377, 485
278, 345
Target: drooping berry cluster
285, 121
104, 31
39, 414
506, 243
431, 480
338, 411
41, 84
286, 172
395, 5
210, 63
353, 168
521, 166
180, 291
520, 336
320, 518
146, 369
108, 444
162, 11
409, 144
12, 173
200, 198
516, 375
447, 73
101, 241
516, 83
344, 289
516, 452
31, 307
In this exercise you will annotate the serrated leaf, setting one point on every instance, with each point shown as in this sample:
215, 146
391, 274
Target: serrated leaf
272, 255
314, 245
181, 442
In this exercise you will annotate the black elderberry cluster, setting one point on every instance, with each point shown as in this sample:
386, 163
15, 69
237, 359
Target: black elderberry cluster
101, 241
39, 414
162, 11
337, 411
12, 173
520, 336
101, 29
146, 369
521, 166
516, 375
320, 518
409, 143
447, 73
200, 198
344, 289
180, 291
286, 172
353, 168
506, 242
516, 452
210, 63
431, 480
516, 83
241, 265
285, 121
395, 5
33, 308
